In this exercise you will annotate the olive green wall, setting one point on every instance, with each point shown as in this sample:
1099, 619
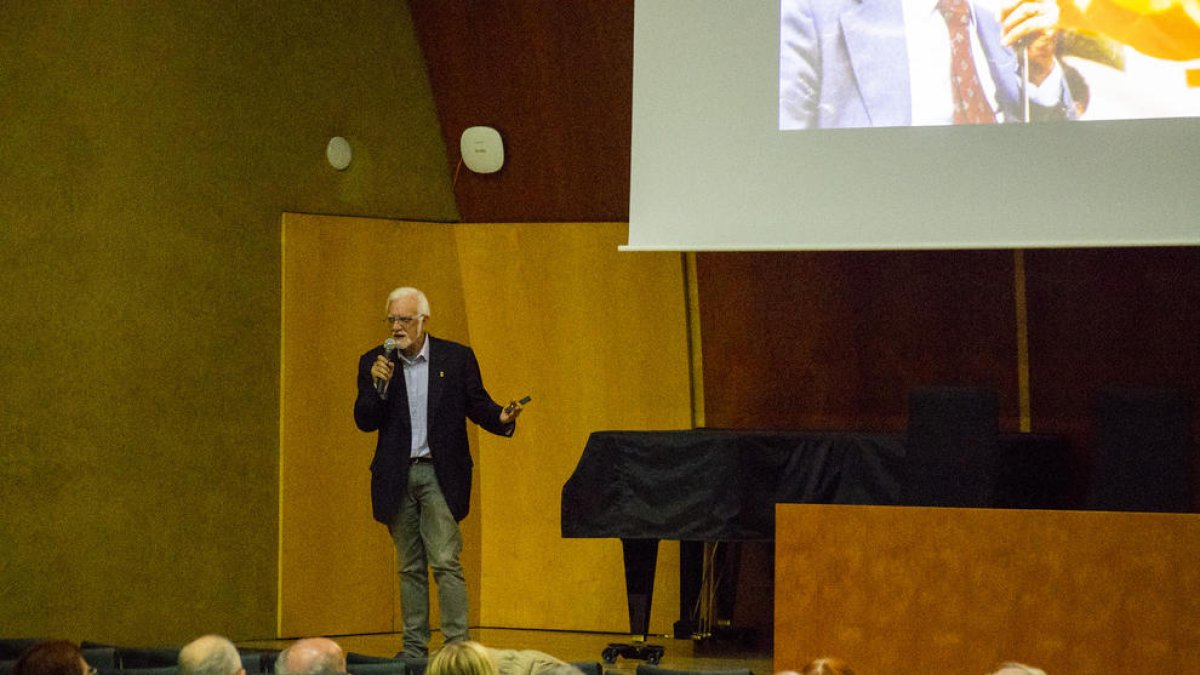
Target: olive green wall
147, 151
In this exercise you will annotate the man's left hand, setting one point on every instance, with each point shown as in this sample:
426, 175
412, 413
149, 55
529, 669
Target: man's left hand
510, 412
1031, 25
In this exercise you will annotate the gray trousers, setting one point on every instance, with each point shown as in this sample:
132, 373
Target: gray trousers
427, 537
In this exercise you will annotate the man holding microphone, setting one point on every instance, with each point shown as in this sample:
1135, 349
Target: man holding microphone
418, 400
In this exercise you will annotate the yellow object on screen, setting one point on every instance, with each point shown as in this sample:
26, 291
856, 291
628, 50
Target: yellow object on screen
1166, 29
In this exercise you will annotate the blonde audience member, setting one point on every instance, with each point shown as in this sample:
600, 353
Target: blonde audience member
505, 661
465, 657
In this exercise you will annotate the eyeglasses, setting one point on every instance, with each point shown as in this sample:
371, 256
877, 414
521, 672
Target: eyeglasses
403, 320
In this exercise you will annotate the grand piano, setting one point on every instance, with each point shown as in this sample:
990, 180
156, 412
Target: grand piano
711, 485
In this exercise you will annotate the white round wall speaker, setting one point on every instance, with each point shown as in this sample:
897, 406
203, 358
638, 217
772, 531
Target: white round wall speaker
482, 149
338, 153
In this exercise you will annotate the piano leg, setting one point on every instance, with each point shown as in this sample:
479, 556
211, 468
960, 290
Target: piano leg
641, 559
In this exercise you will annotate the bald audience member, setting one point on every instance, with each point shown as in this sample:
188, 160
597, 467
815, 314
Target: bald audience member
210, 655
311, 656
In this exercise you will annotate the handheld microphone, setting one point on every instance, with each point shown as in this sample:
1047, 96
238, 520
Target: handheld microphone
389, 346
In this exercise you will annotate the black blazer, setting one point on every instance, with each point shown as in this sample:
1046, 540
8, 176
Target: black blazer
456, 394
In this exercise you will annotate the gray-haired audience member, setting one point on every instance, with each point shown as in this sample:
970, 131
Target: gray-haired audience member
311, 656
210, 655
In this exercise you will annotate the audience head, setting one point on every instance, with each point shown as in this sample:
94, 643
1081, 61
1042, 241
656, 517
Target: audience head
311, 656
465, 657
53, 657
827, 666
1012, 668
210, 655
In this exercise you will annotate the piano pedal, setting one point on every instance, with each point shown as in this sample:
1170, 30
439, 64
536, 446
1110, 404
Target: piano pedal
651, 654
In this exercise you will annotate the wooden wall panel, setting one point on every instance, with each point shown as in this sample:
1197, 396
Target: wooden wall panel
598, 337
951, 591
336, 564
556, 79
1110, 317
833, 340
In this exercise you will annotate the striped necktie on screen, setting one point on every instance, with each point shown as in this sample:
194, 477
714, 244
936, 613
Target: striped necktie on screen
970, 103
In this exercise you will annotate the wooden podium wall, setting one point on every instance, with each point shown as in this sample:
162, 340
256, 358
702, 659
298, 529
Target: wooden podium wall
596, 335
938, 590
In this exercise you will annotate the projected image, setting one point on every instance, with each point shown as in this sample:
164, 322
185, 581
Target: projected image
890, 63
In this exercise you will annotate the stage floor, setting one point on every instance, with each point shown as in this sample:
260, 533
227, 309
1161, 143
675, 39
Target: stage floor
570, 646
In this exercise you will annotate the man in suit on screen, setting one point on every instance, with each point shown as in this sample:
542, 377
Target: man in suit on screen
882, 63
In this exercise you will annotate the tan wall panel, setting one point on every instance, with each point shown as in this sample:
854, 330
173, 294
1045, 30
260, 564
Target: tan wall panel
337, 567
598, 338
938, 591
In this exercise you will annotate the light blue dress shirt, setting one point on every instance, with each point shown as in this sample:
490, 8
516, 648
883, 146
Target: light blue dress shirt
416, 382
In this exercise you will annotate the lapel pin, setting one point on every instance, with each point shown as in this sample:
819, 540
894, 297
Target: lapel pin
441, 373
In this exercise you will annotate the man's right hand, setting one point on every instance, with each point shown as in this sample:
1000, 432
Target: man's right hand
1032, 25
382, 368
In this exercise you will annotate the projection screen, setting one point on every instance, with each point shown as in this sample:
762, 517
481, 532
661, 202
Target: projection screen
815, 125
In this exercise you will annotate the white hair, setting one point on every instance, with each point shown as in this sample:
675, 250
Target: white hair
408, 291
209, 655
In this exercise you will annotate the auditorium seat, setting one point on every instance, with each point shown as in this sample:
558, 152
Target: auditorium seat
149, 670
387, 667
414, 665
355, 657
647, 669
589, 667
12, 648
100, 657
147, 657
950, 447
268, 658
153, 670
1144, 450
254, 661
